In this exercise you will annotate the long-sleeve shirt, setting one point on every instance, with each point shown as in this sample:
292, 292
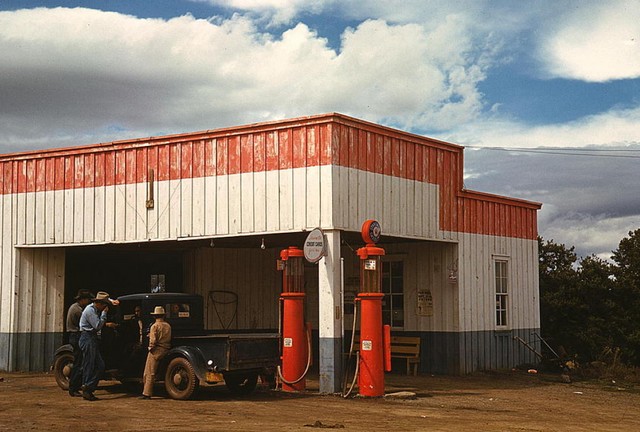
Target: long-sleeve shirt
160, 335
91, 320
73, 318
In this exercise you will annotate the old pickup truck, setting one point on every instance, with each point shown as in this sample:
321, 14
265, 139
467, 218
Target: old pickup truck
197, 355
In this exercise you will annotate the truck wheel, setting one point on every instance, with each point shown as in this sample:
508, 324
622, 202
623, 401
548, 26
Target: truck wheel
180, 379
62, 367
241, 384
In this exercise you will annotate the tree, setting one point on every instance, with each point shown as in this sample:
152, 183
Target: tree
589, 305
627, 293
599, 307
559, 311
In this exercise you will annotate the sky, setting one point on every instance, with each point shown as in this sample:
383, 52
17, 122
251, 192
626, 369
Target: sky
544, 95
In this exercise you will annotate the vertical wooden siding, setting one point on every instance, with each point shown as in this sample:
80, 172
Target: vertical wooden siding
273, 178
7, 257
39, 307
249, 273
406, 163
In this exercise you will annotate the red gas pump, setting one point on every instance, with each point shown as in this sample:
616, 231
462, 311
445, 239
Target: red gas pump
374, 339
296, 347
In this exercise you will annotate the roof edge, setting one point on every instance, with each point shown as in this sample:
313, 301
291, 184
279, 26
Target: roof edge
231, 131
485, 196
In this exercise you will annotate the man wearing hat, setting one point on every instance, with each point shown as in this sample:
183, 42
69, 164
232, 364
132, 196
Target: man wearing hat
73, 330
93, 318
159, 344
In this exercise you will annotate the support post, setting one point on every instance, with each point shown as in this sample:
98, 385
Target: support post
330, 315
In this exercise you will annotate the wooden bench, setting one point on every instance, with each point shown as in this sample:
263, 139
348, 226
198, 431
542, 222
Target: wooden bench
404, 347
408, 348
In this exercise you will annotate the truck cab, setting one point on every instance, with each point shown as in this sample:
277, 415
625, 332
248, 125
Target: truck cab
197, 356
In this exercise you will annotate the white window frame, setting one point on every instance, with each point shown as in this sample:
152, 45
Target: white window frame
388, 260
501, 292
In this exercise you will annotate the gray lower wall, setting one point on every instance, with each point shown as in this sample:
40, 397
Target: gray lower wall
460, 353
33, 352
5, 344
441, 352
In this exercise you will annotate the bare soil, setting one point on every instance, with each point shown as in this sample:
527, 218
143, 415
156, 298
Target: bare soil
513, 401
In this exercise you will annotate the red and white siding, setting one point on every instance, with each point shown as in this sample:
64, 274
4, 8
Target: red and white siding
328, 171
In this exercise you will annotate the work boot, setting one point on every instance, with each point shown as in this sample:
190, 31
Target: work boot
74, 393
89, 396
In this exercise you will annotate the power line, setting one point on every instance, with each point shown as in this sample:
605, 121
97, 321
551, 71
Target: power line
564, 151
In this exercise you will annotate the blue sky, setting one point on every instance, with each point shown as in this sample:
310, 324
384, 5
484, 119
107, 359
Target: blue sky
485, 74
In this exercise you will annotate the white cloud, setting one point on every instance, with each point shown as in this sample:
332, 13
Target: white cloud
594, 42
82, 72
615, 127
273, 11
598, 235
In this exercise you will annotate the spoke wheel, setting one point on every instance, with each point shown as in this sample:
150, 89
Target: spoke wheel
62, 367
180, 379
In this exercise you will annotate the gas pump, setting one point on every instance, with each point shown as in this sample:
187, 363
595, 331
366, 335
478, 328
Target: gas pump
295, 338
375, 340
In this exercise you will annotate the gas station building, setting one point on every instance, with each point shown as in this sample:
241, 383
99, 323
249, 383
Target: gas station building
209, 213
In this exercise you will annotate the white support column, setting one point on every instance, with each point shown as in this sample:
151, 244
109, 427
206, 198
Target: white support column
330, 315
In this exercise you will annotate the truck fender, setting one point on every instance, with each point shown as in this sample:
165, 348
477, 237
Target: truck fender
66, 348
62, 349
193, 355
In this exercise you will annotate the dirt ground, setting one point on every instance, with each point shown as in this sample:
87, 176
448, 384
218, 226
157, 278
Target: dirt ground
514, 401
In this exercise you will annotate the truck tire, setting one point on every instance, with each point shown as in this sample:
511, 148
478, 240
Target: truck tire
241, 384
62, 366
180, 380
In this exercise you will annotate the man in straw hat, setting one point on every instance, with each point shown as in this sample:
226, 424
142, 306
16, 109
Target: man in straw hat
159, 344
93, 318
73, 330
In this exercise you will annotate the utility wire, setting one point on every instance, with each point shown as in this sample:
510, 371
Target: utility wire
564, 151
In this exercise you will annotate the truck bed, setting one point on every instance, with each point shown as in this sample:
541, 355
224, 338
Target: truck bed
230, 351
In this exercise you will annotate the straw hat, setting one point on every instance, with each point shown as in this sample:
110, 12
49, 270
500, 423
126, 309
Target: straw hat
159, 310
102, 297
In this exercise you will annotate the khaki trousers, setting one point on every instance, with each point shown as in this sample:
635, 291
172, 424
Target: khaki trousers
149, 376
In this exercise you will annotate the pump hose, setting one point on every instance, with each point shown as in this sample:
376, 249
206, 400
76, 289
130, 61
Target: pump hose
305, 370
355, 373
355, 376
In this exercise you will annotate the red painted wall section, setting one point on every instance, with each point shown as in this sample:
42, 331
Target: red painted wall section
303, 142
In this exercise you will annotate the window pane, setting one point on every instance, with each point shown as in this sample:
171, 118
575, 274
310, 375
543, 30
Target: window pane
386, 317
396, 286
502, 290
393, 288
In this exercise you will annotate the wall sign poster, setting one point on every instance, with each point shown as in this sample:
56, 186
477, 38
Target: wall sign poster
425, 303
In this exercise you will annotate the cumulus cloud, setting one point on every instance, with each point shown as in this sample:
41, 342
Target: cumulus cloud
590, 235
614, 127
77, 76
108, 74
594, 42
275, 12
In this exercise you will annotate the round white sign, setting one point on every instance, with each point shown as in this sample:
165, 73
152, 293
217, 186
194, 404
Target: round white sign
314, 246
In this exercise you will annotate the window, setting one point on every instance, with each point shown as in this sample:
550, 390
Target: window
502, 292
393, 289
177, 310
